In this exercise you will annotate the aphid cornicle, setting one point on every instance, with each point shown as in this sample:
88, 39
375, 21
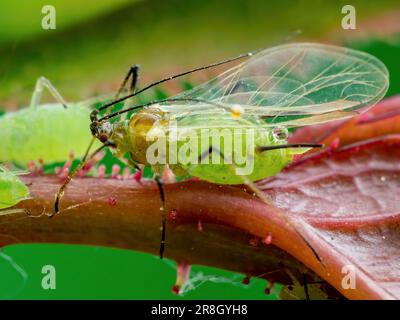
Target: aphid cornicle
274, 90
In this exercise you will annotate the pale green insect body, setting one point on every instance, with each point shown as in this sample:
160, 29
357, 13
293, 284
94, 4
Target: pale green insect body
234, 145
286, 86
48, 132
12, 189
218, 149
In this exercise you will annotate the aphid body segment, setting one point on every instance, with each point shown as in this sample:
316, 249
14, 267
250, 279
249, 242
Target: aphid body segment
148, 137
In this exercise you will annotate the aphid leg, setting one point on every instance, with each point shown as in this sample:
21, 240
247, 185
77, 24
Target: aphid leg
42, 83
4, 212
132, 73
207, 153
289, 145
94, 113
305, 285
291, 223
133, 164
261, 195
139, 168
163, 215
130, 163
70, 176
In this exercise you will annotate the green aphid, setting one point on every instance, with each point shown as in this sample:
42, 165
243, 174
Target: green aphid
279, 88
234, 145
274, 90
48, 132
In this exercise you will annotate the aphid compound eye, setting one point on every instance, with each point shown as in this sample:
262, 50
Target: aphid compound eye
103, 138
101, 131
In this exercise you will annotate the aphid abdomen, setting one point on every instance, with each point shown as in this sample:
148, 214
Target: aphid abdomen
48, 132
265, 164
236, 141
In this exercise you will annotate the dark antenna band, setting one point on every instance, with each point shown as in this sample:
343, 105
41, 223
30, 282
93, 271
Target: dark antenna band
117, 113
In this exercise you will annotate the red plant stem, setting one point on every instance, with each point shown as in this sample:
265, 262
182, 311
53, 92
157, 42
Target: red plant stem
125, 214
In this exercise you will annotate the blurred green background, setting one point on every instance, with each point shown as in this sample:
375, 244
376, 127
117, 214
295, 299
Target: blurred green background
90, 51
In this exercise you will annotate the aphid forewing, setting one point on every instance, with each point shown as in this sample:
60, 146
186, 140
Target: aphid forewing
301, 80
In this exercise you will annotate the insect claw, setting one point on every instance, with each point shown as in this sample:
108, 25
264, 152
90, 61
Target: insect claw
56, 207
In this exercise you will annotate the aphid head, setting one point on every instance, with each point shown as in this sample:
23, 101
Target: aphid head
101, 130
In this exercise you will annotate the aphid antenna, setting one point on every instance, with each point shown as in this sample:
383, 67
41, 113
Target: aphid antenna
70, 176
245, 55
134, 73
305, 286
115, 114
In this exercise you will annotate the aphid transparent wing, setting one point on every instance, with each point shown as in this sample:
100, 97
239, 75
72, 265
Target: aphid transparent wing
296, 81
